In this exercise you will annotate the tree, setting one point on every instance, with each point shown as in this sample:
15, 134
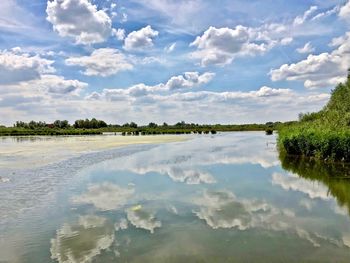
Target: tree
61, 124
133, 125
152, 125
181, 124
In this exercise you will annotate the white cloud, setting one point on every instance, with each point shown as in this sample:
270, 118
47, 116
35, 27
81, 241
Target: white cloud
113, 6
170, 48
307, 48
327, 13
82, 242
295, 183
182, 82
141, 39
80, 20
102, 62
119, 33
105, 196
144, 104
323, 70
54, 84
299, 20
91, 221
182, 15
223, 209
16, 66
182, 175
124, 18
121, 225
188, 80
344, 11
219, 46
286, 41
142, 218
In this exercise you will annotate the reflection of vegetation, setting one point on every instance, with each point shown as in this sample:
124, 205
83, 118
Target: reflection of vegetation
324, 135
269, 131
333, 175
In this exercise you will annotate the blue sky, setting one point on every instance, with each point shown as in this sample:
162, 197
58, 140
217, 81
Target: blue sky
227, 61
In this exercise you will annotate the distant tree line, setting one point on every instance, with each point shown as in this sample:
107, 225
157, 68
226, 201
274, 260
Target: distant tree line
89, 124
97, 124
62, 124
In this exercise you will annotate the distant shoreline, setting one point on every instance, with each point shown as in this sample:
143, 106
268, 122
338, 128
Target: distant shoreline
136, 131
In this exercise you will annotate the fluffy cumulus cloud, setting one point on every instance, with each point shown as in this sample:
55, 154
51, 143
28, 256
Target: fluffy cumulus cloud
323, 70
79, 19
152, 103
142, 90
344, 11
29, 78
16, 66
141, 39
119, 33
29, 82
182, 82
55, 85
219, 46
102, 62
188, 80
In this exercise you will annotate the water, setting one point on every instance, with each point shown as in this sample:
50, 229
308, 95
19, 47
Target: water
223, 198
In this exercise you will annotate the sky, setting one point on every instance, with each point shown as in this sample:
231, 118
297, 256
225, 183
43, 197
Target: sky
201, 61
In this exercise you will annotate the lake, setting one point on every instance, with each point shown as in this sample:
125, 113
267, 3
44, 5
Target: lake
227, 197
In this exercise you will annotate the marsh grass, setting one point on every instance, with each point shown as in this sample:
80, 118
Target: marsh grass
322, 135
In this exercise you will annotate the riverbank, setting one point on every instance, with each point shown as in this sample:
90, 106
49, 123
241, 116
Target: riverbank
323, 135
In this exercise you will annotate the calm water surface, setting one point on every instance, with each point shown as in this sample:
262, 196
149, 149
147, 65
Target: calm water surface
222, 198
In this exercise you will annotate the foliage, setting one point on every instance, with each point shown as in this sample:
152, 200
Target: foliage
93, 126
89, 124
269, 131
323, 135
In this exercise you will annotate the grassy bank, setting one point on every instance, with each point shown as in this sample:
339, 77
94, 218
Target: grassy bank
323, 135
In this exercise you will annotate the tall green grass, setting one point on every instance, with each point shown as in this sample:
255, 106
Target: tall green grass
322, 135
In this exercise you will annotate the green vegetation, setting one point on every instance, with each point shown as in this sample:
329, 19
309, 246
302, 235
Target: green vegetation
323, 135
13, 131
94, 126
